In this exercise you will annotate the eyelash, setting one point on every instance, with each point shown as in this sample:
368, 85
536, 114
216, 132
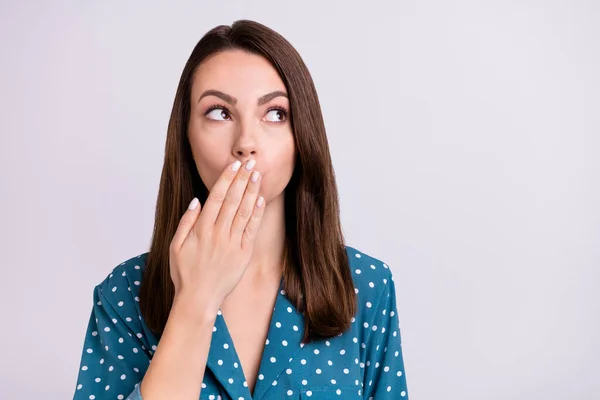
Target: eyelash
222, 106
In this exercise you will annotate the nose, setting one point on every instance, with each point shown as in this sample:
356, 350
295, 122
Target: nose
245, 145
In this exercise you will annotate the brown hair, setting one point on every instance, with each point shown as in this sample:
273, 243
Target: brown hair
316, 275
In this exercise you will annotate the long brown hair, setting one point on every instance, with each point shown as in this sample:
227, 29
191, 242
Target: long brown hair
316, 275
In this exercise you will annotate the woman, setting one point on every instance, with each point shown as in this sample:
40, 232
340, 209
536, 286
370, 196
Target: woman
248, 292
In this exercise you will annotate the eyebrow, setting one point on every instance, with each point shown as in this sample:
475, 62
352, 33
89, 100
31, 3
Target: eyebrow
233, 101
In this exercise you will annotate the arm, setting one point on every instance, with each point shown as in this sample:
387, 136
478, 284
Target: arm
384, 373
113, 357
178, 366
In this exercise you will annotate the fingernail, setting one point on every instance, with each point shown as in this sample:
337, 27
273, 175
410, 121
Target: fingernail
250, 164
193, 204
260, 201
236, 165
254, 176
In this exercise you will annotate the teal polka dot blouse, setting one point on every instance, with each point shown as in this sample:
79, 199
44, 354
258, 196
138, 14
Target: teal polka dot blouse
365, 362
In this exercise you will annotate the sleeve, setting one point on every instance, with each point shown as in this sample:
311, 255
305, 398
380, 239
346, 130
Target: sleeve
384, 369
113, 360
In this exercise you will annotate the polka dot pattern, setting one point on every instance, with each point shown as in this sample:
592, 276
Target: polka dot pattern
365, 362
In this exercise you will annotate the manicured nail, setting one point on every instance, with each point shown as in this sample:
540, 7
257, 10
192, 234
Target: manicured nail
236, 165
250, 164
193, 204
254, 176
260, 201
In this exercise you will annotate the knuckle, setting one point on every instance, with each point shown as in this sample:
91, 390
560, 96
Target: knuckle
244, 212
218, 196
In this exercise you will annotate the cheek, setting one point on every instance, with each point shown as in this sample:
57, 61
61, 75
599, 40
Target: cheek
208, 163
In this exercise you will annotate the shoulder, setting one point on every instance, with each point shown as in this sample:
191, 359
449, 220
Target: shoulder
373, 278
122, 285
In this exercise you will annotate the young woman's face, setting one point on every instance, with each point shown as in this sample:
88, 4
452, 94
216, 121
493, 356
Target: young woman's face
239, 111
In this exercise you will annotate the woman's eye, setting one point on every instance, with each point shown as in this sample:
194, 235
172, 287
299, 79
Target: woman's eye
217, 114
279, 115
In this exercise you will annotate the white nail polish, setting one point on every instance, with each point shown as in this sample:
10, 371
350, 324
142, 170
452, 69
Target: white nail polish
193, 204
250, 164
236, 165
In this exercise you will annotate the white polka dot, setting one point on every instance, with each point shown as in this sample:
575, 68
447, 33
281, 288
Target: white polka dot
92, 397
285, 343
225, 346
288, 371
120, 304
346, 371
90, 351
289, 393
278, 324
261, 377
79, 386
358, 271
120, 397
84, 368
111, 368
318, 371
273, 359
371, 284
316, 351
333, 381
230, 380
342, 351
220, 362
372, 266
399, 373
97, 380
357, 255
274, 383
308, 393
289, 309
389, 388
386, 369
107, 387
369, 304
123, 377
121, 340
338, 392
107, 329
403, 393
303, 361
304, 382
295, 328
94, 333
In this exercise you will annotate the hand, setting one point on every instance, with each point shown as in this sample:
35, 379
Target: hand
211, 248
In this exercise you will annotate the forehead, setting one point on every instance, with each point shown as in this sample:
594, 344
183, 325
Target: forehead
238, 73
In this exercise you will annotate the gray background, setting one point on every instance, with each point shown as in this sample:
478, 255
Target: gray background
465, 138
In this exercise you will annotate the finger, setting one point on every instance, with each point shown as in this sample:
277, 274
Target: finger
249, 235
217, 194
186, 223
246, 207
233, 198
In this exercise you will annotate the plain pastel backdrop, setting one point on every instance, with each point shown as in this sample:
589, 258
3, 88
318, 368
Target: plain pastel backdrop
465, 137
